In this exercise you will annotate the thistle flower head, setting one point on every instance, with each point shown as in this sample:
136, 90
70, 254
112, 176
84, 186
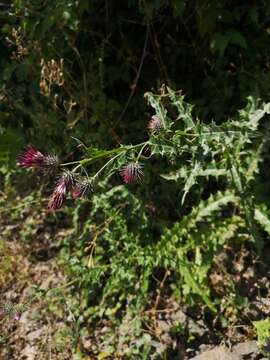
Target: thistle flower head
32, 157
64, 184
68, 178
131, 172
58, 196
51, 160
155, 124
81, 188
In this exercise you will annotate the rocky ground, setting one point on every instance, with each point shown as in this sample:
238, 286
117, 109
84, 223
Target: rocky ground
43, 329
39, 324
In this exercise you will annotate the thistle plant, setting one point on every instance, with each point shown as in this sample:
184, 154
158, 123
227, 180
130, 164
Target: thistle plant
205, 150
133, 237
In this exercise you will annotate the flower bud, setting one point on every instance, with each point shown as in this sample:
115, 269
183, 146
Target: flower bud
131, 172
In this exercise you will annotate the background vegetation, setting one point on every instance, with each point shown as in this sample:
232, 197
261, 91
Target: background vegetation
149, 270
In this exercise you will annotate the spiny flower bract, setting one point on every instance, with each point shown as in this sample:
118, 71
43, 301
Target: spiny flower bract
81, 188
132, 172
155, 124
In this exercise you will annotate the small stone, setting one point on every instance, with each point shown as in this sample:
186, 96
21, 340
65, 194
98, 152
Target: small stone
218, 353
196, 327
179, 317
246, 348
34, 335
164, 326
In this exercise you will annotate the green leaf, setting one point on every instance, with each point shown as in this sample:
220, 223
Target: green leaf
184, 109
263, 331
185, 270
11, 142
182, 173
236, 38
219, 43
261, 216
155, 102
191, 180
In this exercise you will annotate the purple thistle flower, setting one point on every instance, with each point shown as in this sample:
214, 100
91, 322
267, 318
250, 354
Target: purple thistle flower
58, 196
81, 188
32, 157
64, 184
131, 172
155, 124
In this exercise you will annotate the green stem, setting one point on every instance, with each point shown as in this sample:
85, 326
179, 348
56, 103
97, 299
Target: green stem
106, 164
104, 154
140, 153
70, 163
108, 153
184, 133
76, 167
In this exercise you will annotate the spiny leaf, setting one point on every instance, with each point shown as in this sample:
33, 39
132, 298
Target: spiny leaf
191, 180
184, 109
262, 218
206, 209
154, 101
189, 278
183, 173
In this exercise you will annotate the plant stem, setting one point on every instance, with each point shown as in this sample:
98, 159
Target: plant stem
140, 153
104, 154
70, 163
105, 165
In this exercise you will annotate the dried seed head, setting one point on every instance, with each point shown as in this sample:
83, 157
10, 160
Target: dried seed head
131, 172
155, 124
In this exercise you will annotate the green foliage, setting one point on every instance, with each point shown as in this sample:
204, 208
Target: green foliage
261, 215
196, 234
262, 328
205, 46
11, 142
78, 70
123, 251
